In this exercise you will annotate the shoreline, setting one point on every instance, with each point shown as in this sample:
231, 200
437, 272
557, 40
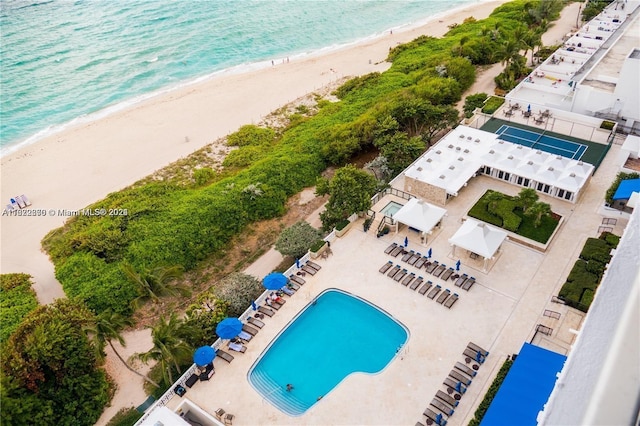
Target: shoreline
82, 164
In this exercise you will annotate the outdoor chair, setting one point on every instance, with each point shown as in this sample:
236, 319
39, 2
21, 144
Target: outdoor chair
400, 275
408, 279
477, 348
466, 370
451, 300
293, 286
248, 329
237, 347
413, 259
432, 266
433, 293
445, 408
385, 267
447, 398
224, 355
447, 274
436, 418
439, 270
461, 279
472, 355
468, 283
255, 322
393, 271
314, 265
420, 262
268, 312
443, 296
296, 279
416, 283
425, 287
309, 270
192, 380
454, 385
408, 256
396, 251
460, 377
390, 248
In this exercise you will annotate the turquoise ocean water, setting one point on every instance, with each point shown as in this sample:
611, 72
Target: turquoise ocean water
64, 61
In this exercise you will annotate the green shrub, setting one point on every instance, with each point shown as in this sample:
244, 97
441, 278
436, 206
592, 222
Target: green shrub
492, 104
342, 224
491, 393
295, 240
251, 135
125, 417
596, 249
616, 183
17, 299
472, 102
510, 221
315, 247
607, 125
610, 238
203, 176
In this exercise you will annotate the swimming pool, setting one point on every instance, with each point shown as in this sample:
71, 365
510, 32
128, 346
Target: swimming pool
391, 208
335, 335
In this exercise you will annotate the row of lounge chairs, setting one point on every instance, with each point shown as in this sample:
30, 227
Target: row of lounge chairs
444, 403
311, 267
410, 280
19, 202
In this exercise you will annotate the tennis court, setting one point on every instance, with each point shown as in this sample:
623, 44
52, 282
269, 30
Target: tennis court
542, 142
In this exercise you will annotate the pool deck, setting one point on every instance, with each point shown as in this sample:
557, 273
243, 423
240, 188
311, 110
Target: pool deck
499, 313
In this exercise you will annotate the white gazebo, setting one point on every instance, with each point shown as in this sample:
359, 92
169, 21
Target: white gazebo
479, 238
420, 215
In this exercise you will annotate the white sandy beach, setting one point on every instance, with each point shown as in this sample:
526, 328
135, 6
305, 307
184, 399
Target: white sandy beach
81, 165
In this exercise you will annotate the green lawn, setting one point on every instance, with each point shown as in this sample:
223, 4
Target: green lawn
526, 229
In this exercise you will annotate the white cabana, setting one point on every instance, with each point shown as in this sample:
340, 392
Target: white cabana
478, 238
420, 215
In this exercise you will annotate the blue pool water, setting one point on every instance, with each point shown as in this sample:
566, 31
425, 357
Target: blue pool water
334, 336
391, 208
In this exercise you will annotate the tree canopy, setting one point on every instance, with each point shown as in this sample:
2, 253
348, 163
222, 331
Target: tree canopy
295, 240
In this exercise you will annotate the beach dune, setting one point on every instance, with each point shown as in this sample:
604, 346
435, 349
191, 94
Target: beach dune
69, 170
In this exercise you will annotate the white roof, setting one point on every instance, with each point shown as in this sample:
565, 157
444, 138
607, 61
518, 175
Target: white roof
419, 214
479, 238
632, 144
456, 158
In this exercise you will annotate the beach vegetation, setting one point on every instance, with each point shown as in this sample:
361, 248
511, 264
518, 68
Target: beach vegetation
593, 8
473, 102
237, 291
125, 417
350, 191
50, 373
203, 176
154, 284
251, 135
296, 240
203, 316
17, 300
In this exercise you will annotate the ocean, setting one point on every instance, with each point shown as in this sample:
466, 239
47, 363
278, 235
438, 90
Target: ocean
66, 61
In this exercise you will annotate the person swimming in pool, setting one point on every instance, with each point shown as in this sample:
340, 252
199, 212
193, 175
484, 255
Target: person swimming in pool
289, 387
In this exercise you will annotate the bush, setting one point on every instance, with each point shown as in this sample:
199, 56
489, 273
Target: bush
125, 417
607, 125
510, 221
342, 224
238, 290
17, 299
616, 183
203, 176
472, 102
491, 393
315, 247
295, 240
251, 135
492, 104
610, 238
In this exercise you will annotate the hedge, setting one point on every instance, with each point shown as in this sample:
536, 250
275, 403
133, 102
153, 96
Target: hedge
17, 299
492, 104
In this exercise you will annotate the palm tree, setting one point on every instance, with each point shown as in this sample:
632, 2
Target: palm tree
538, 210
527, 197
492, 199
169, 348
107, 328
156, 283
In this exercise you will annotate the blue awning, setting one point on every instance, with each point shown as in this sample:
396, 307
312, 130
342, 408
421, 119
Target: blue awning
626, 188
526, 388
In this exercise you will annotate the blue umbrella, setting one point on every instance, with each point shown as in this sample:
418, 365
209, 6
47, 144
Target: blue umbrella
229, 328
406, 241
298, 263
204, 355
459, 387
429, 253
274, 281
254, 306
529, 108
458, 265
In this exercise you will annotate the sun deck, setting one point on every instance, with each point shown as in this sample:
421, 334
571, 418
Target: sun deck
500, 312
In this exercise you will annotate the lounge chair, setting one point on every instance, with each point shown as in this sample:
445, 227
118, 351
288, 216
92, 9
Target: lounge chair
396, 251
447, 398
255, 322
407, 280
224, 355
192, 380
425, 287
390, 248
385, 267
461, 279
400, 275
245, 335
439, 270
408, 255
251, 330
436, 418
474, 355
393, 271
454, 385
443, 296
309, 270
468, 283
314, 265
286, 290
434, 292
451, 300
419, 424
413, 259
25, 199
20, 203
432, 266
268, 312
420, 262
237, 347
445, 408
274, 304
447, 274
10, 207
466, 370
293, 286
296, 279
477, 348
460, 377
416, 283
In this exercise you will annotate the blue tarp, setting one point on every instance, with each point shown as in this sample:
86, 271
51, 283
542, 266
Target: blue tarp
626, 188
526, 388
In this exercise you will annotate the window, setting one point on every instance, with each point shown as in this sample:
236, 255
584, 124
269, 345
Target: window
546, 189
500, 174
540, 186
520, 179
487, 170
526, 182
507, 176
568, 195
560, 193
